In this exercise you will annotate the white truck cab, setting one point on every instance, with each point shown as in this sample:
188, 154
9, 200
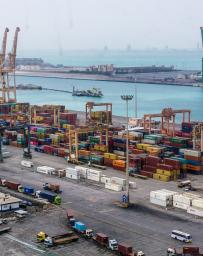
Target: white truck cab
113, 244
89, 233
140, 253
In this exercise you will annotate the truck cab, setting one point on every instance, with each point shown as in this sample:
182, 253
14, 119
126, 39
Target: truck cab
48, 241
171, 252
113, 245
41, 236
89, 233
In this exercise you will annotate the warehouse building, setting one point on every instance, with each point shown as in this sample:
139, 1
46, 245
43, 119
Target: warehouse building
8, 203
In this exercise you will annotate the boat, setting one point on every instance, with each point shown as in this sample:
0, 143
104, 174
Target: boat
94, 92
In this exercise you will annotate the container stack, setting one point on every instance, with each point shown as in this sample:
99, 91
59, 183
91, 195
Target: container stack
150, 167
194, 161
119, 146
84, 155
97, 159
164, 173
119, 165
187, 129
152, 139
108, 159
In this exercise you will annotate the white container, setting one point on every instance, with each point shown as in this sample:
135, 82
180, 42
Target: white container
45, 169
197, 203
162, 195
183, 199
114, 187
28, 164
72, 176
148, 141
94, 175
72, 171
190, 152
164, 203
180, 205
118, 152
105, 179
119, 181
195, 211
132, 185
83, 171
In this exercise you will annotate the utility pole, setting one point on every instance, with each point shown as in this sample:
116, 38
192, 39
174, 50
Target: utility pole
127, 98
1, 154
135, 101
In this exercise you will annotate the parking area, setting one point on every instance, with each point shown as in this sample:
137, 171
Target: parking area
144, 226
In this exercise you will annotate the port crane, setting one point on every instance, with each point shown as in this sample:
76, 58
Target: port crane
7, 69
2, 66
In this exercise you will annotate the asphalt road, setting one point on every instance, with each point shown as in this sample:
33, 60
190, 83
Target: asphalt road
145, 228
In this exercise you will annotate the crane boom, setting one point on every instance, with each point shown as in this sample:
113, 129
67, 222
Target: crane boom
12, 55
3, 48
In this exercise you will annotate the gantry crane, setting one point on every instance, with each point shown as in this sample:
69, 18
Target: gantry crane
7, 70
73, 135
2, 66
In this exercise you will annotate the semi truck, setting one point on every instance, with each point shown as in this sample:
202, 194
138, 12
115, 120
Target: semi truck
60, 239
81, 228
186, 250
104, 240
52, 187
56, 240
49, 196
126, 250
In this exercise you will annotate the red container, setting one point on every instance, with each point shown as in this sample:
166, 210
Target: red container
193, 158
152, 160
147, 174
108, 162
149, 168
12, 185
191, 250
165, 167
125, 250
172, 162
101, 239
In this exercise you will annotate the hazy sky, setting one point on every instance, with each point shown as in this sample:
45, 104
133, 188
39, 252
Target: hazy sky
86, 24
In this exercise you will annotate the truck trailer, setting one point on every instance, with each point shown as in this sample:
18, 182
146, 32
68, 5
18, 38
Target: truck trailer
60, 239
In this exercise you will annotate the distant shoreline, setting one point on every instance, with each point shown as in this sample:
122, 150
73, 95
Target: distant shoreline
96, 77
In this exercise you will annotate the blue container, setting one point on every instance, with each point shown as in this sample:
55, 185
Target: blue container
81, 227
28, 190
50, 196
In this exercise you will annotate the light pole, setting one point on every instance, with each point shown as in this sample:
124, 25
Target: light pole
127, 98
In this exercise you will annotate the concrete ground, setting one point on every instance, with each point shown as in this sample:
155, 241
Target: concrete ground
145, 227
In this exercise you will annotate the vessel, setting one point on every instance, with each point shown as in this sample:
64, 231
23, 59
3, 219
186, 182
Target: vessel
94, 92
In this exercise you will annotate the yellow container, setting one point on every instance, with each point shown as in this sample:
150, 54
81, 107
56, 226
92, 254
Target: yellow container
156, 176
164, 178
113, 156
159, 171
168, 173
106, 155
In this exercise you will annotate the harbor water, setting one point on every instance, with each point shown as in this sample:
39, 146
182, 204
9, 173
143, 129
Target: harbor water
150, 98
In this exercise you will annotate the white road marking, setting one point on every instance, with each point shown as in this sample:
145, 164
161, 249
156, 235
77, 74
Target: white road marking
33, 247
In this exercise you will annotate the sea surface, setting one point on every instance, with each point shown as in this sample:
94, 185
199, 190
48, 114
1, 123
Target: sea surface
147, 98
